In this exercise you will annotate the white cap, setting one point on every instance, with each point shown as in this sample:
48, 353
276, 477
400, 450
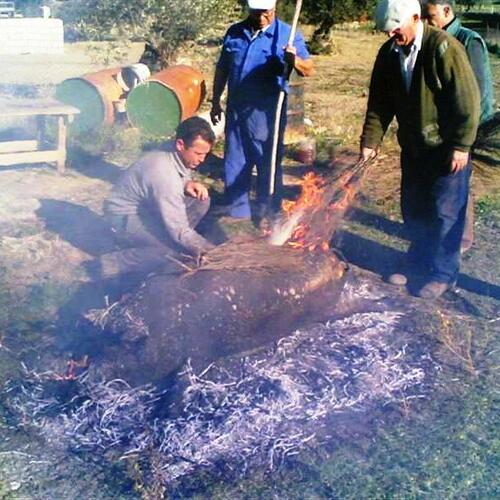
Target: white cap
261, 4
391, 14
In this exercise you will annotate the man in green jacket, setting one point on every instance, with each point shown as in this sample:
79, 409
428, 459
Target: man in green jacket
422, 77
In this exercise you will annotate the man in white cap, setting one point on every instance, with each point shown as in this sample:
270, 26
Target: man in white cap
423, 77
252, 65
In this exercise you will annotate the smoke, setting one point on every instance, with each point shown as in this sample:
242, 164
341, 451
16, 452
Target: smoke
283, 229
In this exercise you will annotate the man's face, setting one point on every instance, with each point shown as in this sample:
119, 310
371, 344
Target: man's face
259, 19
193, 155
405, 34
438, 15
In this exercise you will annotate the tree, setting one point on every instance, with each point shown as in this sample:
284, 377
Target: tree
468, 4
163, 24
325, 13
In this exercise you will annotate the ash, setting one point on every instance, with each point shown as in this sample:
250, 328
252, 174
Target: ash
242, 414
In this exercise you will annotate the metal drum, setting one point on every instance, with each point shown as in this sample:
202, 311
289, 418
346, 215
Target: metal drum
159, 104
94, 95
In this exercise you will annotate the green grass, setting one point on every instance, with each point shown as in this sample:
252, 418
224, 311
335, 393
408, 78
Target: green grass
488, 209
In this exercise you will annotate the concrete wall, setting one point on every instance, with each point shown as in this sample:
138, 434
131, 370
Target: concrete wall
31, 36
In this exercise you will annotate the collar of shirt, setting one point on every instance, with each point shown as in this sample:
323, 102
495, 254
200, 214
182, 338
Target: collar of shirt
181, 169
256, 33
453, 27
407, 61
417, 43
268, 30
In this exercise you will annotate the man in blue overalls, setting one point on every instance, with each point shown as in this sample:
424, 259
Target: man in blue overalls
252, 64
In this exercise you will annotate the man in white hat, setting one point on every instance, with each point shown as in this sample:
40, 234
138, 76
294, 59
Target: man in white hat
423, 77
252, 65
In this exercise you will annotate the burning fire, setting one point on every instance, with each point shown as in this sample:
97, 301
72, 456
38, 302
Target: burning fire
311, 194
310, 221
73, 370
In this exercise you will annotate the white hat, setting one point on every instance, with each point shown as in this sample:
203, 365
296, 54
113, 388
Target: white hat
391, 14
261, 4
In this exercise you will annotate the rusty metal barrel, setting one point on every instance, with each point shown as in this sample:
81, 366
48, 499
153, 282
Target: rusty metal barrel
94, 95
159, 104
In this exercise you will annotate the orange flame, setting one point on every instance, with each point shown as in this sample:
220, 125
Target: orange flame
312, 199
312, 189
311, 186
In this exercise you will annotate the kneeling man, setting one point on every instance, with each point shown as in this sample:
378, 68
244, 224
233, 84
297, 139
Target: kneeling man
155, 206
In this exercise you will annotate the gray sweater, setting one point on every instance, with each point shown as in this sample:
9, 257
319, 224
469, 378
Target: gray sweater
155, 184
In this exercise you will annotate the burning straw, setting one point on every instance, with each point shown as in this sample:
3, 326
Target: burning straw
306, 224
311, 221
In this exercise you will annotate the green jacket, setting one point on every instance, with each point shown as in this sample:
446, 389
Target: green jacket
442, 106
477, 52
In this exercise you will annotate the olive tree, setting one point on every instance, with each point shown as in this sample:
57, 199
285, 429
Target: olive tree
164, 24
323, 14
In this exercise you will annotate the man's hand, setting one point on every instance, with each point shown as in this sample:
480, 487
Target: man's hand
290, 56
216, 113
304, 67
196, 190
459, 160
367, 154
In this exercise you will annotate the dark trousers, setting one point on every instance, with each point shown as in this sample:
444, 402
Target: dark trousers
433, 205
145, 245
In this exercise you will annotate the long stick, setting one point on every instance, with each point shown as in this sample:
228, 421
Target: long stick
279, 107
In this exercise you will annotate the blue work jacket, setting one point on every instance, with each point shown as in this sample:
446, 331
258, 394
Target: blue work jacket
255, 67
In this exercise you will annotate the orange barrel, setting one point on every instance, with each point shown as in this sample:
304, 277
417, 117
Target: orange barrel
94, 95
159, 104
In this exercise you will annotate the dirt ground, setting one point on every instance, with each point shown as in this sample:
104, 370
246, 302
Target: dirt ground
50, 225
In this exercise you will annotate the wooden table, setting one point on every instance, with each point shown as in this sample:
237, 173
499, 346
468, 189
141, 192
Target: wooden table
38, 150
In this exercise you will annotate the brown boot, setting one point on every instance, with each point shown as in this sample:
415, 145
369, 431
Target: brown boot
433, 290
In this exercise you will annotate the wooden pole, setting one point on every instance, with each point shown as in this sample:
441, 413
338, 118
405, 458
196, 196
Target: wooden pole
279, 106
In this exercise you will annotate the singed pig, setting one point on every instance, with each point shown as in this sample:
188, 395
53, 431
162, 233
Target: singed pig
255, 295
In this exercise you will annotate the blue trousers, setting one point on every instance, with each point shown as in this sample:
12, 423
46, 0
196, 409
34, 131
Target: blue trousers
249, 139
433, 205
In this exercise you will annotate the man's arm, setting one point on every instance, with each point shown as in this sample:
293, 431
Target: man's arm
461, 94
479, 60
476, 58
172, 207
219, 84
304, 67
380, 109
297, 56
